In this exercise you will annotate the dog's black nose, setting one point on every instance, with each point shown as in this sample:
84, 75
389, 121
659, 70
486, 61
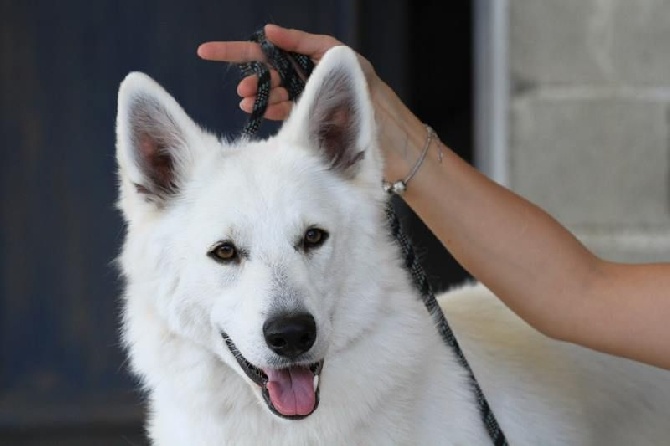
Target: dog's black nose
290, 335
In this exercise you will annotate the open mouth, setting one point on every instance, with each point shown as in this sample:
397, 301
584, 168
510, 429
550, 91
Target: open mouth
291, 392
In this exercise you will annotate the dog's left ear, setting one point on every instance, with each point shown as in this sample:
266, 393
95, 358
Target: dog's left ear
157, 145
336, 110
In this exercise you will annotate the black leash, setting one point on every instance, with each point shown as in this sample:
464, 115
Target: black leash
421, 282
287, 65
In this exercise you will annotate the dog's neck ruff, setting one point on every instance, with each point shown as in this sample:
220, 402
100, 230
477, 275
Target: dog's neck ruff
294, 69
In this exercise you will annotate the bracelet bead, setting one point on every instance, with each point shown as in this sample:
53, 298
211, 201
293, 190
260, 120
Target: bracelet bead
399, 187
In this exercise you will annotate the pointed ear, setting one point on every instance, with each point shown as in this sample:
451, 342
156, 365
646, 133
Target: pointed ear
154, 139
334, 114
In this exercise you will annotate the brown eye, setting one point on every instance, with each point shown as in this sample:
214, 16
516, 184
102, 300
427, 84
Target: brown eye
223, 252
313, 238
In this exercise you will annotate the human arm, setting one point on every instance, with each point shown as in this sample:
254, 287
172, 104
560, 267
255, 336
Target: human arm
533, 264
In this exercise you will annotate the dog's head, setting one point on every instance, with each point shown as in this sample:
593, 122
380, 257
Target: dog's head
256, 250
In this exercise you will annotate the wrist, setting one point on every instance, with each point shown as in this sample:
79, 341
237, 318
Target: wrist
402, 136
400, 186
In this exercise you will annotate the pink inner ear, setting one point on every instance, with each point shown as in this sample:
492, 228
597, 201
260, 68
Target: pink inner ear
337, 135
157, 160
340, 117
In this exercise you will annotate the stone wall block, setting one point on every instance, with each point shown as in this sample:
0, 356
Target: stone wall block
593, 162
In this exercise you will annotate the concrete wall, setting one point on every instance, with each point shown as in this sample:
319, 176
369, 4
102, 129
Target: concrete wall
589, 119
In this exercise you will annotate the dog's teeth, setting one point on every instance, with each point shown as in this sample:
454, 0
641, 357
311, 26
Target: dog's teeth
316, 381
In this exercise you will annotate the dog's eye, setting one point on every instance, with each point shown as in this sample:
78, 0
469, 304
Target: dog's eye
223, 252
313, 238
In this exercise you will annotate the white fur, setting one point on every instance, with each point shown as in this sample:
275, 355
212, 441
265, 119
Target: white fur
388, 378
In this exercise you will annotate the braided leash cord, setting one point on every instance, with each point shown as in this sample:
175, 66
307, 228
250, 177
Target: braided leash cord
285, 63
423, 285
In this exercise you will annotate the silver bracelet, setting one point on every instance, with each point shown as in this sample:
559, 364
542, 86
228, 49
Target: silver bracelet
400, 186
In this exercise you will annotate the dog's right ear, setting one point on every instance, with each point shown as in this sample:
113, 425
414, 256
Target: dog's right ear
334, 115
155, 139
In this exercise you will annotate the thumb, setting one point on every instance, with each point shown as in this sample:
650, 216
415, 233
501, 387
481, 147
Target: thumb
313, 46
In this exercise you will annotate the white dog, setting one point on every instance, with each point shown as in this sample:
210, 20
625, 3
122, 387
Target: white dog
266, 303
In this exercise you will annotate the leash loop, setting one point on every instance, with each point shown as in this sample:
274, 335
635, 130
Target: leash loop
293, 69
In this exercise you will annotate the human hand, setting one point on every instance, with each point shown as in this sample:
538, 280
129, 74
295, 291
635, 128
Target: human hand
313, 46
401, 134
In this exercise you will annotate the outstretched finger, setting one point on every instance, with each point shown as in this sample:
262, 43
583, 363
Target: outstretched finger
231, 51
311, 45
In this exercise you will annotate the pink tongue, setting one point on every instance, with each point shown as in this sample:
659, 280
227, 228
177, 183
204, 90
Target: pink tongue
291, 390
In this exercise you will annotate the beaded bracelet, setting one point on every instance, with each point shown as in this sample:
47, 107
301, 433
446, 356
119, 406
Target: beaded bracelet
400, 186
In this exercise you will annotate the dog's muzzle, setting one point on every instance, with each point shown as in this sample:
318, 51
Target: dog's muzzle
290, 392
